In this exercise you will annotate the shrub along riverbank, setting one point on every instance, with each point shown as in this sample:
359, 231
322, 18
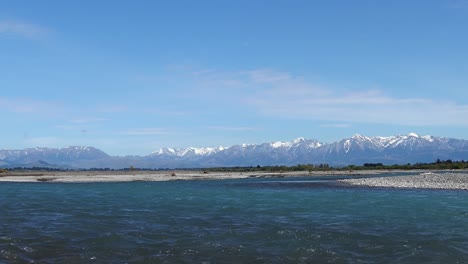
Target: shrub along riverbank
437, 165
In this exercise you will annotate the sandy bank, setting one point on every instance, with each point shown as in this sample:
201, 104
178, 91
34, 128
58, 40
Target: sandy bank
446, 181
126, 176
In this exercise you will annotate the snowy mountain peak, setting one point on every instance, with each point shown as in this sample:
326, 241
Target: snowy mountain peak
206, 151
279, 144
299, 140
315, 144
359, 149
163, 151
360, 137
187, 151
428, 138
289, 144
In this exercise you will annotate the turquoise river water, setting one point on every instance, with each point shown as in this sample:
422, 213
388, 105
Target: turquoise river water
230, 221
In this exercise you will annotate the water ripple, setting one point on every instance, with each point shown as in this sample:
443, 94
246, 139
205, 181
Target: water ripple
225, 222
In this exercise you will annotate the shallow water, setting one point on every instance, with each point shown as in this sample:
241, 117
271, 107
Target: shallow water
250, 220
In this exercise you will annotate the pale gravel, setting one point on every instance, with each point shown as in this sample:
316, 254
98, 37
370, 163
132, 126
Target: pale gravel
127, 176
446, 181
437, 180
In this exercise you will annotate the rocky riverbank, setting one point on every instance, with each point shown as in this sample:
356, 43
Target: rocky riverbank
169, 175
444, 180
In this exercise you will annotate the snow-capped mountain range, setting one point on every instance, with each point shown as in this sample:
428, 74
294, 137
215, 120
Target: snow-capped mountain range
210, 151
358, 149
187, 151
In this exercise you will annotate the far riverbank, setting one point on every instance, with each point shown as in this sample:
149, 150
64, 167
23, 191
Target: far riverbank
445, 179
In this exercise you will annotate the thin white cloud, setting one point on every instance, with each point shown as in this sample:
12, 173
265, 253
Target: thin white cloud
165, 112
28, 106
364, 107
51, 142
67, 127
225, 128
22, 29
339, 125
146, 132
112, 108
267, 76
283, 95
81, 124
241, 79
88, 120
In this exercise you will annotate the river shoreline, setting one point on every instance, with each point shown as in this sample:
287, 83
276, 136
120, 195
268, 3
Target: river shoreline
368, 178
169, 175
426, 180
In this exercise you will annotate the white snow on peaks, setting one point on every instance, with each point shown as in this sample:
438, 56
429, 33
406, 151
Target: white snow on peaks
360, 137
279, 144
287, 144
206, 151
315, 144
394, 141
164, 151
428, 138
302, 145
171, 150
347, 145
188, 151
298, 140
77, 148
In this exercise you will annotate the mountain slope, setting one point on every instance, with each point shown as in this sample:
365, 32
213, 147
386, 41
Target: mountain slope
62, 156
358, 149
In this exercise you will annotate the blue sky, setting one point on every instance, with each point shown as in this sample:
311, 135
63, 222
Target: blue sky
130, 77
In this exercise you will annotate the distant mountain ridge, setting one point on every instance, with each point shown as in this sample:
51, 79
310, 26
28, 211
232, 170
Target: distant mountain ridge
358, 149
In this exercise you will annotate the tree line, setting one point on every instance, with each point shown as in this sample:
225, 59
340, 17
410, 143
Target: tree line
437, 165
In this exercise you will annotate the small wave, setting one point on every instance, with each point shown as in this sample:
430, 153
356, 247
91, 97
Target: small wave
8, 255
26, 249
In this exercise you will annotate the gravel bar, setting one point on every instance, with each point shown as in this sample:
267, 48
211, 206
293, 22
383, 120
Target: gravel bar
446, 181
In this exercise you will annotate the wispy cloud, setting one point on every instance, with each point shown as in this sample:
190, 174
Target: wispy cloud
267, 76
284, 95
67, 127
366, 107
28, 106
112, 108
88, 120
165, 112
82, 124
22, 29
146, 132
339, 125
225, 128
52, 142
